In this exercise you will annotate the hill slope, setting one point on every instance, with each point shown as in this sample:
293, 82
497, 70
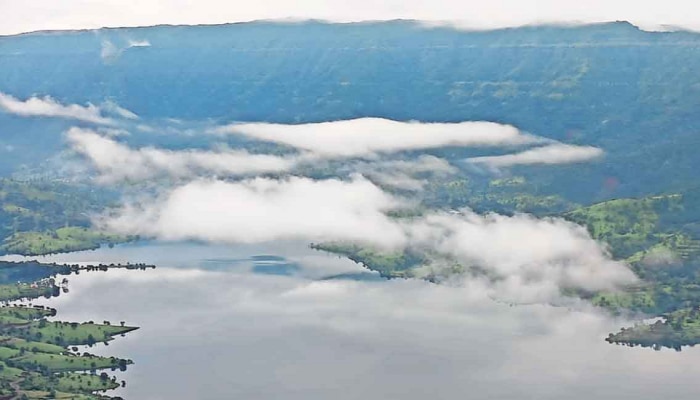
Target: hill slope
630, 92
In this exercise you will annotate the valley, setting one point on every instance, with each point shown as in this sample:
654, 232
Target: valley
379, 210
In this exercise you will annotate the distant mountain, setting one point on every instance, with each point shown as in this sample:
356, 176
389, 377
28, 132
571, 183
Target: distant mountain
633, 93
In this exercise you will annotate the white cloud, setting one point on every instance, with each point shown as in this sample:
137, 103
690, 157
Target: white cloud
259, 210
397, 180
469, 14
368, 136
422, 163
114, 108
110, 51
48, 107
139, 43
116, 161
406, 174
528, 259
552, 154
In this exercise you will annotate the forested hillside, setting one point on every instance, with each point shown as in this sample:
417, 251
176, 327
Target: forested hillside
630, 92
49, 217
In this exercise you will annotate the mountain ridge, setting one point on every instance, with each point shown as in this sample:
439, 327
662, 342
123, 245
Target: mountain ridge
636, 102
427, 24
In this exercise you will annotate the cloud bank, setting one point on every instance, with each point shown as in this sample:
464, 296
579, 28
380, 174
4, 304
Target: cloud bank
552, 154
261, 210
116, 162
527, 258
48, 107
370, 136
518, 258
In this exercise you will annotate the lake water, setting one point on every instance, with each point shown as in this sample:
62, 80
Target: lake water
217, 323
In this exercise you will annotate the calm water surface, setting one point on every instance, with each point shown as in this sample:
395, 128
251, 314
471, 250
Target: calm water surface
218, 323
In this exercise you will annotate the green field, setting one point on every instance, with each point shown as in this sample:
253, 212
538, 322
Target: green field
38, 218
71, 334
38, 357
24, 290
58, 241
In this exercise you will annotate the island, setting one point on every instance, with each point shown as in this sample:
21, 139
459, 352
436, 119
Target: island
674, 330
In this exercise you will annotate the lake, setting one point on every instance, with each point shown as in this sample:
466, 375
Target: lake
280, 321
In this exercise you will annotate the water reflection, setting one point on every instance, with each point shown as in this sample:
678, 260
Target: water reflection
287, 256
218, 330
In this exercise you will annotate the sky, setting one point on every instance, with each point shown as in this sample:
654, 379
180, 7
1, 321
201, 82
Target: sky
31, 15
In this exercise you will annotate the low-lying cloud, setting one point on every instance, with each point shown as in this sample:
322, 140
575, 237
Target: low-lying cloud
139, 43
558, 153
530, 258
111, 52
527, 259
117, 162
114, 108
261, 210
48, 107
370, 136
518, 258
405, 174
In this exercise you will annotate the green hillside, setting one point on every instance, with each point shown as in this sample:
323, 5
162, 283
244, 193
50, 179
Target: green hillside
39, 218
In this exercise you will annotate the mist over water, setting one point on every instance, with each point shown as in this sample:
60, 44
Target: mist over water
213, 328
482, 160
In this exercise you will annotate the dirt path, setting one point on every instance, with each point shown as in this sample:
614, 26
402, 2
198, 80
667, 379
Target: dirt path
15, 385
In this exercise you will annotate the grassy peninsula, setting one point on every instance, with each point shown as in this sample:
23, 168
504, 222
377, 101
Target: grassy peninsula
39, 356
